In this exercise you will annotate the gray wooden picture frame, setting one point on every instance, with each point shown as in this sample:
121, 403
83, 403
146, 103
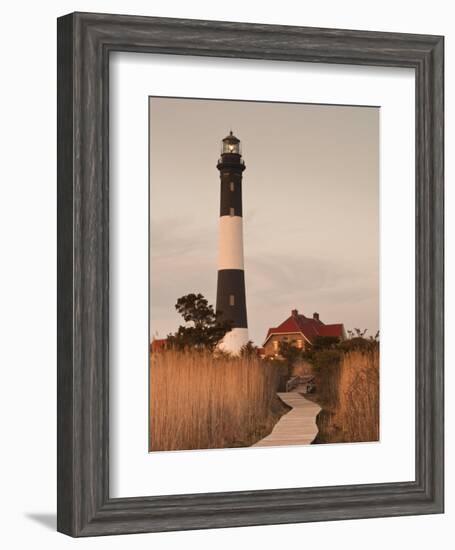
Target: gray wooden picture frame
85, 41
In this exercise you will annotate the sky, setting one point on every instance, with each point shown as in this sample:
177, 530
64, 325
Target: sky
310, 209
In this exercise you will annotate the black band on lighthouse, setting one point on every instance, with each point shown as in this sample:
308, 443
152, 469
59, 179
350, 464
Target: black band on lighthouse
231, 195
230, 297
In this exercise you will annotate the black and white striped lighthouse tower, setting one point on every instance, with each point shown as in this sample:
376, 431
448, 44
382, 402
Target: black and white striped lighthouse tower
230, 296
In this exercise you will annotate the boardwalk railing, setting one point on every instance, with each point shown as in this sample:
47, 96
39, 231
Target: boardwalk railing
306, 383
292, 383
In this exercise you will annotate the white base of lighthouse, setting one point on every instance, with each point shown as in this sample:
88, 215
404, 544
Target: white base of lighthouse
234, 340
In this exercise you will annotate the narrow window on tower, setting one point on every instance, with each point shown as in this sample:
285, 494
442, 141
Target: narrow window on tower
231, 185
231, 299
231, 211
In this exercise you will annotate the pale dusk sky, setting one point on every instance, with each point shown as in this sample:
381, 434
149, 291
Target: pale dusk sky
310, 209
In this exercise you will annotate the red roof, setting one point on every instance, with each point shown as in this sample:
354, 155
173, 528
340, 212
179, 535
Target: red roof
309, 327
331, 330
158, 344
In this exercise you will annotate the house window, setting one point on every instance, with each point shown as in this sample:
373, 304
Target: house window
231, 211
231, 299
231, 186
300, 343
275, 345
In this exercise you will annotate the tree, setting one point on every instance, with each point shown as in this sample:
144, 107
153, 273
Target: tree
324, 342
206, 331
290, 353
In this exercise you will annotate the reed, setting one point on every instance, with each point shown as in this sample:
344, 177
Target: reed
199, 401
349, 397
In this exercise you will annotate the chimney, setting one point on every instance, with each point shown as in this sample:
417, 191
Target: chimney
316, 316
294, 312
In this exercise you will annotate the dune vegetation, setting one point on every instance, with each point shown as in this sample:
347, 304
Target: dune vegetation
348, 392
201, 401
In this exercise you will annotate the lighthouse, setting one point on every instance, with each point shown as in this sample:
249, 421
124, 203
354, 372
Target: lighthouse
230, 295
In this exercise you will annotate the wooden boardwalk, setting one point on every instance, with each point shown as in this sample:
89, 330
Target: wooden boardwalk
298, 426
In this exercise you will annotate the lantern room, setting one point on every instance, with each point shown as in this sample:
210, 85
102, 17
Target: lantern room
230, 145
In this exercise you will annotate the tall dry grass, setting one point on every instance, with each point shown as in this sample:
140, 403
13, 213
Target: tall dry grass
349, 396
198, 401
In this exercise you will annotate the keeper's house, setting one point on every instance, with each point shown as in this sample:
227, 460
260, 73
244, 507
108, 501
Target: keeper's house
300, 331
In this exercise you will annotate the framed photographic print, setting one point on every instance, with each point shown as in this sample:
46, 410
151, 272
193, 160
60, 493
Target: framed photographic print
250, 253
228, 374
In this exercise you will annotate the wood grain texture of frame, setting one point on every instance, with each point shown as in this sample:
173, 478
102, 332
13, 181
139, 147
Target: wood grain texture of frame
84, 44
